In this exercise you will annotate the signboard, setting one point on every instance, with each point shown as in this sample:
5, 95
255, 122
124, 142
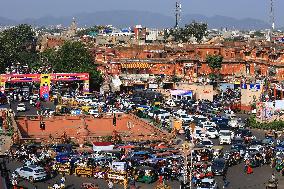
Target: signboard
153, 86
254, 87
181, 93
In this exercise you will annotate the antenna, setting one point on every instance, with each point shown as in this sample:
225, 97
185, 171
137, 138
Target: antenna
178, 14
272, 15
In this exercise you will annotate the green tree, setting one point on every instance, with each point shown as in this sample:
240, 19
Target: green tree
215, 64
17, 44
74, 57
91, 31
183, 35
197, 30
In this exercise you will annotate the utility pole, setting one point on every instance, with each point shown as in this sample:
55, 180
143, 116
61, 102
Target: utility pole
178, 13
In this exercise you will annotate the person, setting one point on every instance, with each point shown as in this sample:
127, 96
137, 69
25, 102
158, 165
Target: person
273, 177
225, 181
249, 169
110, 185
56, 186
62, 181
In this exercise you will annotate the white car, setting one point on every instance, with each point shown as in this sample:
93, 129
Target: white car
66, 97
208, 124
207, 184
94, 112
212, 132
185, 118
159, 113
225, 137
21, 107
31, 172
171, 103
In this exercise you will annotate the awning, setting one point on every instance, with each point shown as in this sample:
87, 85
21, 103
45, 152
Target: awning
136, 65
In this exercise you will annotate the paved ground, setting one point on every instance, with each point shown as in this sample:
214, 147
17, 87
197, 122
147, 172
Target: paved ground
31, 110
236, 177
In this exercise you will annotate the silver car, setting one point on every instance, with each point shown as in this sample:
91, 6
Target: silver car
31, 172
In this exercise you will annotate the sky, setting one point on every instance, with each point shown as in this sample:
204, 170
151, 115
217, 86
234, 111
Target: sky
21, 9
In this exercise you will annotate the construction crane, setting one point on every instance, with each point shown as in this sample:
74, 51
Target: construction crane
178, 13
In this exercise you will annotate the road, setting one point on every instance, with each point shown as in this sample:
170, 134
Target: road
236, 177
31, 110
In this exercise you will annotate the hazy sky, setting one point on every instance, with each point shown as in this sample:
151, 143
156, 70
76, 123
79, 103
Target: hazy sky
19, 9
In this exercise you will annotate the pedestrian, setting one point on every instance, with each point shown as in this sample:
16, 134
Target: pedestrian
225, 181
249, 169
56, 186
110, 184
62, 181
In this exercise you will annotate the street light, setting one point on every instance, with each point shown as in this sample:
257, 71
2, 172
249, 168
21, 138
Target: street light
188, 147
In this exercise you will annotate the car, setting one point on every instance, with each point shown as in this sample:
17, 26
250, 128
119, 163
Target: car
21, 107
225, 137
66, 97
94, 112
32, 173
240, 148
212, 132
185, 118
207, 143
219, 166
207, 183
208, 124
268, 141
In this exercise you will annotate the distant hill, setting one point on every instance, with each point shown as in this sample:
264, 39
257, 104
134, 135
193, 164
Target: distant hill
6, 21
122, 18
227, 22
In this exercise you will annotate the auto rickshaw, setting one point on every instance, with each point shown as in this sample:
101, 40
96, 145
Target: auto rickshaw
145, 174
217, 151
62, 109
279, 165
86, 108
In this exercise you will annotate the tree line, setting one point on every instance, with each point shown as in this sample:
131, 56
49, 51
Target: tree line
18, 46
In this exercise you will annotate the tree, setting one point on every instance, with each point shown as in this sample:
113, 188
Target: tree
91, 31
74, 57
215, 64
197, 30
17, 44
183, 35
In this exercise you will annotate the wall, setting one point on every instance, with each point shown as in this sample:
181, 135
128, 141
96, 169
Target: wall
127, 124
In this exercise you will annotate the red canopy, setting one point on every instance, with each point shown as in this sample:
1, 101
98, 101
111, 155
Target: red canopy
126, 147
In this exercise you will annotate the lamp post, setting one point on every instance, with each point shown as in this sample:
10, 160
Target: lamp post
187, 147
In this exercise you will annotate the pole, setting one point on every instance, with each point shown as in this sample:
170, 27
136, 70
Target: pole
185, 168
190, 171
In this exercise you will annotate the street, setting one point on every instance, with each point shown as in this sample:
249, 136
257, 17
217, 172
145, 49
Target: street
237, 178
